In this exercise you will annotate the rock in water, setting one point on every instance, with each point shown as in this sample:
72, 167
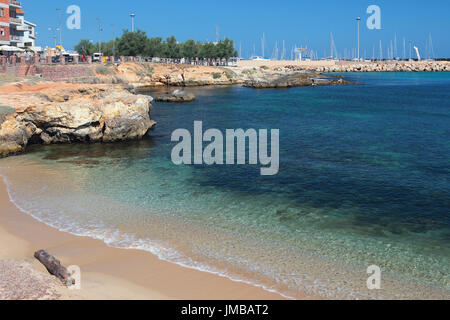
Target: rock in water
290, 80
176, 96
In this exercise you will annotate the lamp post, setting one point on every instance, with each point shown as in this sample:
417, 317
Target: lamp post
99, 37
132, 21
54, 34
60, 25
114, 41
358, 20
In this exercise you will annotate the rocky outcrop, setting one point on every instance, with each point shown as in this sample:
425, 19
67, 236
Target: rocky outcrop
293, 79
83, 115
147, 74
178, 96
14, 136
4, 111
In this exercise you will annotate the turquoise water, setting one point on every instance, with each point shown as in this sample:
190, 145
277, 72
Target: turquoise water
364, 180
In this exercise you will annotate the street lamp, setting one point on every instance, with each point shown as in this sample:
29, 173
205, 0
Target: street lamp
99, 38
54, 34
60, 25
114, 40
358, 20
132, 21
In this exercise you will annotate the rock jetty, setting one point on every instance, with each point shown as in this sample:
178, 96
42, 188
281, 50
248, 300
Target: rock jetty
398, 66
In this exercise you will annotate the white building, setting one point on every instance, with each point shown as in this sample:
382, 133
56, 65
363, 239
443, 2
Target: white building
22, 32
29, 37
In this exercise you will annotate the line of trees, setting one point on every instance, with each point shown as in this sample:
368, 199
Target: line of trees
138, 44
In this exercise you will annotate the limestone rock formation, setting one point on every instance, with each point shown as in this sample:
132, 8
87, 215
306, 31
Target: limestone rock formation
82, 115
176, 96
293, 79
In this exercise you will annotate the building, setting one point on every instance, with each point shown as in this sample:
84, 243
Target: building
14, 29
26, 30
4, 22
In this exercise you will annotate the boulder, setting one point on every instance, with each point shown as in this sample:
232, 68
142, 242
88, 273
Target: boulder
293, 80
274, 81
107, 116
178, 96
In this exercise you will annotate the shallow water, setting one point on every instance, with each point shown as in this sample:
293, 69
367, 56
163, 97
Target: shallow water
364, 180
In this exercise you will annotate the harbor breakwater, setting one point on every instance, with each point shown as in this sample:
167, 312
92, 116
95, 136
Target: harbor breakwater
399, 66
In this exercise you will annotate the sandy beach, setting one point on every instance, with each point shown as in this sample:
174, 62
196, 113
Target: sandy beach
107, 273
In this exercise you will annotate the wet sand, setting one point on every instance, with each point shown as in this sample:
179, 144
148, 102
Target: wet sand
107, 273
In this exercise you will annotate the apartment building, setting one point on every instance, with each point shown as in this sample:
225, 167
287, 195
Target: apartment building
4, 22
14, 29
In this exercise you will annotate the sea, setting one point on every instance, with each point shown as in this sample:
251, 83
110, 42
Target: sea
364, 182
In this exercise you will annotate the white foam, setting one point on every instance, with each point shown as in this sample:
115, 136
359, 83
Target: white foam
116, 239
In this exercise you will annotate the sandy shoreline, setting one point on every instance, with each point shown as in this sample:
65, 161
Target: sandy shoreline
108, 273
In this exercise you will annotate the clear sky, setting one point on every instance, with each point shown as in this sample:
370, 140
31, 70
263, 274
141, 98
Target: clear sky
301, 23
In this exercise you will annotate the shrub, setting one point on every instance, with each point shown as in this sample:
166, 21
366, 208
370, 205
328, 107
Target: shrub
229, 75
150, 71
103, 70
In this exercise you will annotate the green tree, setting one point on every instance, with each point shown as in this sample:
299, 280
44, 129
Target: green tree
189, 49
85, 47
138, 44
154, 47
132, 43
208, 50
109, 48
172, 48
225, 49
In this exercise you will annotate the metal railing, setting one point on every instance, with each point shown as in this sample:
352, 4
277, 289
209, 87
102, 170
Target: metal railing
15, 3
56, 60
15, 20
218, 62
15, 38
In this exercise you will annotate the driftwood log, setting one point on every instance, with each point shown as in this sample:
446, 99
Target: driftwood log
54, 267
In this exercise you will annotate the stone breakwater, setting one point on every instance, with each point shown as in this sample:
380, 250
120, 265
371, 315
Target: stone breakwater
378, 67
84, 114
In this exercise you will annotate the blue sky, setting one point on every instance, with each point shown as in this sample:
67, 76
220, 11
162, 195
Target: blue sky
301, 23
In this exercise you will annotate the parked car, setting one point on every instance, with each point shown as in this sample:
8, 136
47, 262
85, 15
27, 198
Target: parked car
69, 58
97, 57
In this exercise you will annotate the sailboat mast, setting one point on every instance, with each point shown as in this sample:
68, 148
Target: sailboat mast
381, 50
263, 44
404, 48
